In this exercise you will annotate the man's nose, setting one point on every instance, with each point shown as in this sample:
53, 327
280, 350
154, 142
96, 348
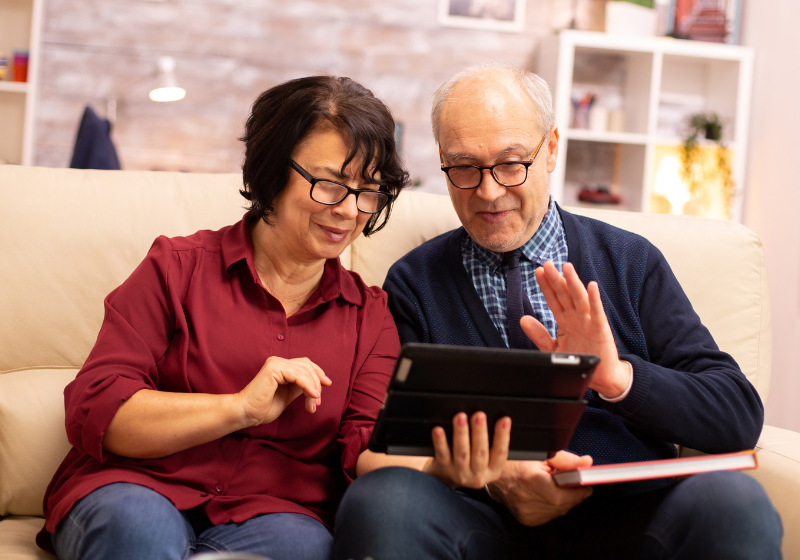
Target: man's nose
489, 189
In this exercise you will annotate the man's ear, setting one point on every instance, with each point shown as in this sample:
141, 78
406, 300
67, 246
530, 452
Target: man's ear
552, 149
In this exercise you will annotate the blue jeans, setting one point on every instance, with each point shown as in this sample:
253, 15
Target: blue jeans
398, 513
130, 522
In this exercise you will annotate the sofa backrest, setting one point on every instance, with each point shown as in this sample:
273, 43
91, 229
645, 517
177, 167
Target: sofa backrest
719, 264
69, 237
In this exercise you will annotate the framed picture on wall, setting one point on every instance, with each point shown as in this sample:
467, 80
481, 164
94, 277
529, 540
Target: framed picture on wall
706, 20
496, 15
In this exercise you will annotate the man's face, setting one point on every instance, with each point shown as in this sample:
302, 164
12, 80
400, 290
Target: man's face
486, 120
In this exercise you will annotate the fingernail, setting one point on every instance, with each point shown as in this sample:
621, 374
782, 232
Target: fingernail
506, 423
319, 401
479, 418
462, 419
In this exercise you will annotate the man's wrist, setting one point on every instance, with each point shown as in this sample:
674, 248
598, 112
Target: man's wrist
627, 390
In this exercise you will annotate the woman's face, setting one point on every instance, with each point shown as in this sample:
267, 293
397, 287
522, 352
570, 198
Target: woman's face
314, 231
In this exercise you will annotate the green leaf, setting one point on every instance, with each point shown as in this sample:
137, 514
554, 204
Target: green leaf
645, 3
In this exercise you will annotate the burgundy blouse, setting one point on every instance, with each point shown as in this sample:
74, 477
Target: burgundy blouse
194, 317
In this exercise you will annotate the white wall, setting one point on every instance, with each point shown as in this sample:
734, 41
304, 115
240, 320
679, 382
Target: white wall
772, 205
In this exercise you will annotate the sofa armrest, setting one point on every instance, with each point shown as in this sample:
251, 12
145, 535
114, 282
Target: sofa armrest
779, 473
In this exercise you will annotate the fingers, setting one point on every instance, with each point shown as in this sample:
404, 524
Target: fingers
538, 334
596, 305
566, 461
441, 450
461, 446
500, 442
558, 285
471, 463
479, 458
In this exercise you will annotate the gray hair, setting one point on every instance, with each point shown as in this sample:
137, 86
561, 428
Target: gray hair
534, 86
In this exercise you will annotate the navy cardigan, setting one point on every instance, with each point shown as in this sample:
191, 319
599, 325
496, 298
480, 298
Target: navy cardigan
685, 390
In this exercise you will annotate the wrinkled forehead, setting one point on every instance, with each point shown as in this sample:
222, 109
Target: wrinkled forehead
481, 110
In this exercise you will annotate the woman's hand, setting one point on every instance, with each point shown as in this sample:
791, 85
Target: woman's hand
471, 464
277, 384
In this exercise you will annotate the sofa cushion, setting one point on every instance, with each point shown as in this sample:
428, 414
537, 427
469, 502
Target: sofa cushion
18, 538
33, 440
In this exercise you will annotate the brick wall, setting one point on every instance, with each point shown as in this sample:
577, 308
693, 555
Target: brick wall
228, 51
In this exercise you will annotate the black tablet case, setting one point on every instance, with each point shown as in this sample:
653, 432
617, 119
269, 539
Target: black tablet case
541, 392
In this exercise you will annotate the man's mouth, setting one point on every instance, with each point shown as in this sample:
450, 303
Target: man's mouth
492, 216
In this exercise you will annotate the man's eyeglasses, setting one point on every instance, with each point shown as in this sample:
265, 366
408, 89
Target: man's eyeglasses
508, 174
330, 192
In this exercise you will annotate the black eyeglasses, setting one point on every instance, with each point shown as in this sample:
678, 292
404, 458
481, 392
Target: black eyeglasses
508, 174
330, 192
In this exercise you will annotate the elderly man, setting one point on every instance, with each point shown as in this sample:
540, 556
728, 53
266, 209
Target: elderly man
523, 272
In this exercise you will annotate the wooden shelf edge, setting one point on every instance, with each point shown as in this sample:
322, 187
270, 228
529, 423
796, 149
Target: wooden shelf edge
14, 87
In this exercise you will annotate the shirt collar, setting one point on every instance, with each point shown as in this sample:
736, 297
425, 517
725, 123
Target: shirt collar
538, 249
237, 246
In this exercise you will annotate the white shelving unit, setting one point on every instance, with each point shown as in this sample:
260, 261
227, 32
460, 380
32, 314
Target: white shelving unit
650, 85
20, 27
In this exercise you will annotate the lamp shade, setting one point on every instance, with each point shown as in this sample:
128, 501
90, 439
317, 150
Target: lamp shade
166, 87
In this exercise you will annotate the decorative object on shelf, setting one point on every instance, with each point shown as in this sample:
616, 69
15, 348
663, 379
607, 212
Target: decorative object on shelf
582, 110
20, 73
494, 15
717, 21
165, 89
631, 17
707, 169
598, 195
3, 66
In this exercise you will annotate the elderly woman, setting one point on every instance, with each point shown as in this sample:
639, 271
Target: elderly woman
238, 373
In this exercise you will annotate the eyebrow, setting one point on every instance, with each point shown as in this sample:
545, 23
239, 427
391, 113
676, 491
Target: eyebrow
341, 177
458, 155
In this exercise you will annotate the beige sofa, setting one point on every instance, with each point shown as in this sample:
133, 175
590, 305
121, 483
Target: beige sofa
68, 237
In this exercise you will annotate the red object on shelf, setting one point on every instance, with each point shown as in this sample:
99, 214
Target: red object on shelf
599, 195
20, 73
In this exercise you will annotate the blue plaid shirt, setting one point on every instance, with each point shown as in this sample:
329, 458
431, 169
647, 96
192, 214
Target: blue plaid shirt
548, 243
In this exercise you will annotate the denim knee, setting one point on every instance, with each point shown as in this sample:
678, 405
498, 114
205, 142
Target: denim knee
724, 514
390, 497
123, 520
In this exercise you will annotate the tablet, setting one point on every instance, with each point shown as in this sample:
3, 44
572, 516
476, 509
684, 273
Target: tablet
541, 392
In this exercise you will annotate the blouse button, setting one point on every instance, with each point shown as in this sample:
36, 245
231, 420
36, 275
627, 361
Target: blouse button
281, 337
218, 488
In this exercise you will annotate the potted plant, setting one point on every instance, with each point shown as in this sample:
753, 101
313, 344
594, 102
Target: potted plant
701, 169
631, 17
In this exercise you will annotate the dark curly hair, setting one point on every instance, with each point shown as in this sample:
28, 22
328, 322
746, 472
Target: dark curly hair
283, 116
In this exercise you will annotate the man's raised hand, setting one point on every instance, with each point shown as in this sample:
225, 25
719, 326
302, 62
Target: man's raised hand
582, 326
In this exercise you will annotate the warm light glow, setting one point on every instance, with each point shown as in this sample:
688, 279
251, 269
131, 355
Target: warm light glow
668, 183
164, 94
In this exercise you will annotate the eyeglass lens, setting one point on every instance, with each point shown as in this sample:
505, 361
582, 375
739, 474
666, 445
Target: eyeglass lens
326, 192
509, 174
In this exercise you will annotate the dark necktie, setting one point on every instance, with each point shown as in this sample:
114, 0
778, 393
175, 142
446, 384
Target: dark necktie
517, 303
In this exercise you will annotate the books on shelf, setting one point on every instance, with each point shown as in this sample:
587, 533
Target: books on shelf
646, 470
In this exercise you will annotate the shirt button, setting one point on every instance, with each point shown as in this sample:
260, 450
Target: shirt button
218, 488
281, 337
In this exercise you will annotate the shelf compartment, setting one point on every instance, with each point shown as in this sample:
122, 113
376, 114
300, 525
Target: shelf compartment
692, 85
12, 117
621, 80
617, 167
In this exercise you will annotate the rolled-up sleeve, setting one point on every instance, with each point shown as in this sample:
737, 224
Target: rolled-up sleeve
369, 388
137, 327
